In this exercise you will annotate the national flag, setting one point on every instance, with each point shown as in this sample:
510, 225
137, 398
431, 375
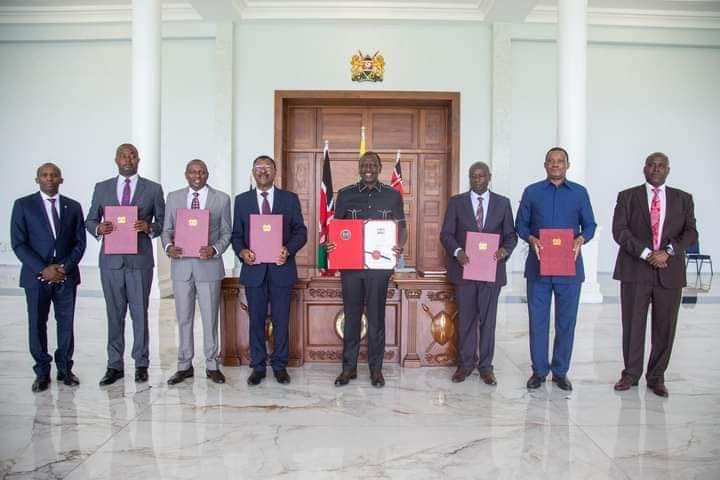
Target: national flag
326, 212
396, 180
363, 147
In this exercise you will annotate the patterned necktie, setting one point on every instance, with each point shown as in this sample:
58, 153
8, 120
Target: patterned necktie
265, 204
480, 214
655, 218
126, 193
55, 216
195, 204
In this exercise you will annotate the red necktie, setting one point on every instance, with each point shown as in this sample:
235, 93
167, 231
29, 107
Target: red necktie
195, 204
480, 214
55, 216
126, 193
265, 204
655, 218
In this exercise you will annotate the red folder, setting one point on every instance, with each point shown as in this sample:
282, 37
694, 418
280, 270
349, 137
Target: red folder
192, 230
123, 239
347, 235
266, 235
480, 249
557, 257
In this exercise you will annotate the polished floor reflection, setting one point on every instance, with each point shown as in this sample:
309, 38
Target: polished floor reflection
419, 426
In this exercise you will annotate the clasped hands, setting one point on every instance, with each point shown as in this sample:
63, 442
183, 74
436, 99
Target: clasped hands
463, 258
330, 246
537, 245
206, 252
658, 259
248, 256
105, 228
53, 273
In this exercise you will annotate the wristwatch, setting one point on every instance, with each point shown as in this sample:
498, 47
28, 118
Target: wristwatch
669, 250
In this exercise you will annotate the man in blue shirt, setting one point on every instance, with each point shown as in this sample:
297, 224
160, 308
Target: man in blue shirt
554, 202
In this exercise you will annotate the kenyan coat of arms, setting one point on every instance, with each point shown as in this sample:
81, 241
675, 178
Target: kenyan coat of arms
365, 68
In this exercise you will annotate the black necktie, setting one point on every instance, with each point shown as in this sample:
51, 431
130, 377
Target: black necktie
55, 216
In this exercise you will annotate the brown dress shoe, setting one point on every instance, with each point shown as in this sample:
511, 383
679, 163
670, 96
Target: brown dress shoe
377, 379
215, 375
488, 378
460, 375
624, 383
345, 377
660, 390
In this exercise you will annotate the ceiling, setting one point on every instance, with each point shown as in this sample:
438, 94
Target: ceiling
668, 13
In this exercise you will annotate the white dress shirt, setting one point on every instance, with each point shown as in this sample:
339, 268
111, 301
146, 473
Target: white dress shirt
121, 187
661, 195
202, 197
270, 197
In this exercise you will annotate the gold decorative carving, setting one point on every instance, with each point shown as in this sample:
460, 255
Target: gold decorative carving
442, 326
413, 294
340, 325
439, 359
441, 296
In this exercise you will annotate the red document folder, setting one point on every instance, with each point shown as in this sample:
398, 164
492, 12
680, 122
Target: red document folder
266, 235
347, 235
480, 249
557, 256
192, 230
123, 239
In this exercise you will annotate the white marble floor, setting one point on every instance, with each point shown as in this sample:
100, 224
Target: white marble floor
419, 426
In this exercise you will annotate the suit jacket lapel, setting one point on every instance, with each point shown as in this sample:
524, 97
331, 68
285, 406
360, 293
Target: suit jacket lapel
467, 206
137, 195
669, 202
210, 198
63, 213
277, 207
645, 206
40, 203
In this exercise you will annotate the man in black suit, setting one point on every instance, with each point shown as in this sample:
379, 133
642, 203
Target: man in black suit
48, 236
268, 283
654, 225
478, 210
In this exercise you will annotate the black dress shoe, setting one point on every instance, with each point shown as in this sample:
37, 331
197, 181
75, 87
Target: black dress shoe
563, 383
460, 375
112, 375
377, 379
281, 375
215, 375
256, 377
660, 390
181, 375
488, 378
345, 377
534, 382
41, 383
625, 383
68, 378
141, 374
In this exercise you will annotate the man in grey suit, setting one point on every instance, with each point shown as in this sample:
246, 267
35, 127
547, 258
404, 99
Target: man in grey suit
198, 277
126, 279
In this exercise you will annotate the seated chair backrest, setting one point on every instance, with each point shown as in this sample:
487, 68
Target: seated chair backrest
694, 249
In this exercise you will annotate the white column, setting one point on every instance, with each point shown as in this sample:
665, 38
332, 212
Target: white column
146, 67
572, 115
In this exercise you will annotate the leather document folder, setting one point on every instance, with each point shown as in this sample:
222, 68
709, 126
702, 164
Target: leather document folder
123, 240
192, 230
266, 236
557, 257
347, 235
480, 249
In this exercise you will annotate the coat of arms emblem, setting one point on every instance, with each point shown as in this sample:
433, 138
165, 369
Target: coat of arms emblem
365, 68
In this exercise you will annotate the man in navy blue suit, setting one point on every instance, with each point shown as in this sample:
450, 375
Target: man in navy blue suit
266, 282
48, 236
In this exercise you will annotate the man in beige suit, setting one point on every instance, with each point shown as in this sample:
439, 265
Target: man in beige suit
198, 277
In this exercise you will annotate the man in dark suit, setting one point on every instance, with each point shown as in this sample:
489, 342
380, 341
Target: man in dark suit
478, 210
267, 282
654, 225
48, 236
126, 279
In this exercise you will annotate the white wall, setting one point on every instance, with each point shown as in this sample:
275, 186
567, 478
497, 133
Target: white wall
69, 102
641, 98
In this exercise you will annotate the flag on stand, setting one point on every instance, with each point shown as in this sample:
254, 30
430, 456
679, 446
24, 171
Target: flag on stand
396, 180
363, 147
326, 212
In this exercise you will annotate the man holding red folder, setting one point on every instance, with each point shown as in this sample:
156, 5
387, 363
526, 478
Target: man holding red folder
478, 210
197, 274
555, 203
126, 279
268, 283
